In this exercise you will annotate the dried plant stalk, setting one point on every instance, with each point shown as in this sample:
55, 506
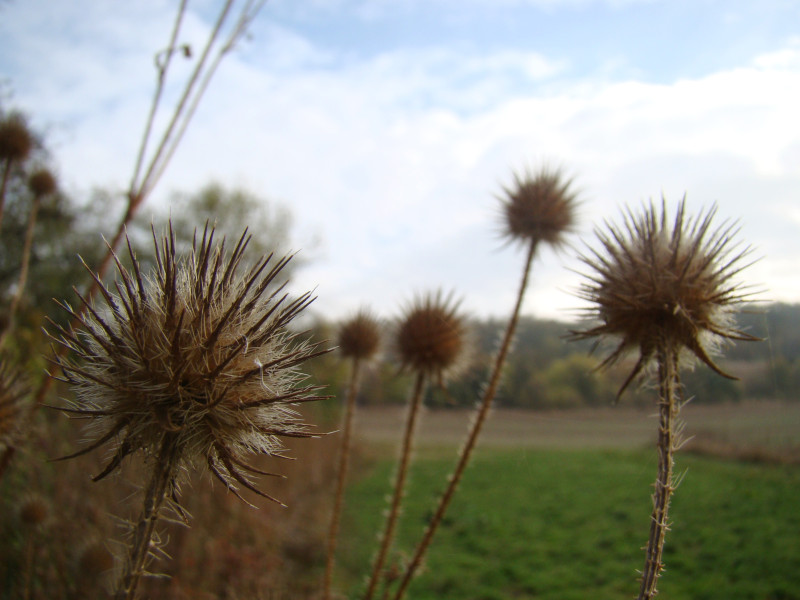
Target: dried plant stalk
539, 208
667, 291
399, 485
344, 456
669, 405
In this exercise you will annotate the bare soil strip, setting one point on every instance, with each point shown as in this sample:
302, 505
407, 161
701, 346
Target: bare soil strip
767, 424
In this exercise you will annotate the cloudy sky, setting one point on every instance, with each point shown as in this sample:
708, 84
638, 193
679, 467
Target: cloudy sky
389, 127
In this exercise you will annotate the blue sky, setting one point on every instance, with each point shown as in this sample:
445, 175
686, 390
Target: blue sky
387, 127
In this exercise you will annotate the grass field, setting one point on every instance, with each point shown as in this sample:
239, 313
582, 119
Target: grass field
568, 519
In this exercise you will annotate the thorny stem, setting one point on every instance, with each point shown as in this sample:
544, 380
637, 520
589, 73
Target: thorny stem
399, 485
161, 481
472, 438
669, 405
344, 456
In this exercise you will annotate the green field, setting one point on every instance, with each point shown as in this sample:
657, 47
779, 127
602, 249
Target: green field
570, 523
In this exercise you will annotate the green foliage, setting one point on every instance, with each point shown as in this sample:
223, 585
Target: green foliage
569, 524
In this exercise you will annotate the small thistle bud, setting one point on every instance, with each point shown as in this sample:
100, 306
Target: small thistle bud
41, 183
539, 207
431, 338
34, 511
95, 560
196, 355
359, 337
657, 283
16, 140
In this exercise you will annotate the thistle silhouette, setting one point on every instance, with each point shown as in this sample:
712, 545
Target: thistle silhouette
193, 364
538, 208
359, 339
16, 144
430, 342
666, 291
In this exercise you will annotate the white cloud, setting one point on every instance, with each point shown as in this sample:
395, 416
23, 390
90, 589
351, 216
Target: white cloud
394, 160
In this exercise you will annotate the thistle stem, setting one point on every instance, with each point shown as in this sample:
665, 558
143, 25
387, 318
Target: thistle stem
161, 481
399, 485
475, 430
669, 406
344, 457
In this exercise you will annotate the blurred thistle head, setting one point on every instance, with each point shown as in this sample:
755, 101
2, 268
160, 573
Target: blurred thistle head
13, 393
16, 139
360, 336
41, 183
431, 336
34, 511
658, 284
197, 351
538, 207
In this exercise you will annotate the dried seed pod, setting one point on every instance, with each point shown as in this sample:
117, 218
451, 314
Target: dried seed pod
539, 207
197, 352
34, 511
656, 282
360, 336
431, 337
41, 183
16, 140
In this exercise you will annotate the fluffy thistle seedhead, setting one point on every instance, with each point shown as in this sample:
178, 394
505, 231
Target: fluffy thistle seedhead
197, 351
538, 207
16, 140
13, 392
41, 183
360, 336
431, 337
660, 284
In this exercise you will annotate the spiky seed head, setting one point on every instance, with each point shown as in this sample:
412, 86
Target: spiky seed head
16, 140
198, 350
360, 336
14, 391
431, 337
539, 207
41, 183
34, 511
657, 283
95, 560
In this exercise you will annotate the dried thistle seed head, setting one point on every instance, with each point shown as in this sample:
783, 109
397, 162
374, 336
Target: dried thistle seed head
95, 560
197, 351
660, 284
16, 140
34, 511
539, 207
13, 392
41, 183
431, 337
360, 336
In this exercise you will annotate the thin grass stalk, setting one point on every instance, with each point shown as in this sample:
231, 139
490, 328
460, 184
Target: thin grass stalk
474, 433
23, 271
344, 458
399, 485
669, 405
161, 481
